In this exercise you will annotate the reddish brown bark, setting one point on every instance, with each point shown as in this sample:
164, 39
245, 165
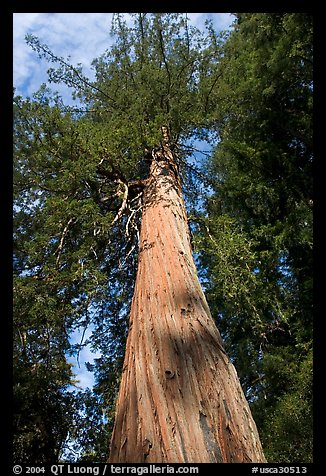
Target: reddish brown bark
180, 399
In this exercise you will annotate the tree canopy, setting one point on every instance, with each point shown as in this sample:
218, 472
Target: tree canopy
78, 179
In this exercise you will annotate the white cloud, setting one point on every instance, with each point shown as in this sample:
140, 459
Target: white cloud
83, 36
221, 21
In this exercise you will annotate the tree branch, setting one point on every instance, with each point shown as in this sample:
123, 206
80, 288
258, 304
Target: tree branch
124, 202
60, 246
165, 61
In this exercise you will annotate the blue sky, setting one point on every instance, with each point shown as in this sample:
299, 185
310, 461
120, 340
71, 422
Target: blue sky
83, 37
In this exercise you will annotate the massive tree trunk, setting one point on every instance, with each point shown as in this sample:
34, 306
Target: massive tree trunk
180, 399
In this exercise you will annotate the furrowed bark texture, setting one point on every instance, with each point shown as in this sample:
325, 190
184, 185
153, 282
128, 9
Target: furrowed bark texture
180, 399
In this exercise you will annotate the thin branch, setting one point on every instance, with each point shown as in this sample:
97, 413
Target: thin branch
165, 60
60, 246
133, 212
22, 339
141, 18
207, 153
187, 35
94, 252
127, 255
124, 202
211, 89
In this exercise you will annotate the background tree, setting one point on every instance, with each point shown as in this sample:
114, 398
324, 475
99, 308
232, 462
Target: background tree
258, 231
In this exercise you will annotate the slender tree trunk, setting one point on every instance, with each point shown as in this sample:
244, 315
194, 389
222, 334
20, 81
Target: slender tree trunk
180, 399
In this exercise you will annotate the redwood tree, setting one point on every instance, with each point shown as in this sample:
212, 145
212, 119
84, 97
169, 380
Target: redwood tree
85, 179
180, 399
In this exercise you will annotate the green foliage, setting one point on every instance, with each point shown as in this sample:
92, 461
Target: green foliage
287, 423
